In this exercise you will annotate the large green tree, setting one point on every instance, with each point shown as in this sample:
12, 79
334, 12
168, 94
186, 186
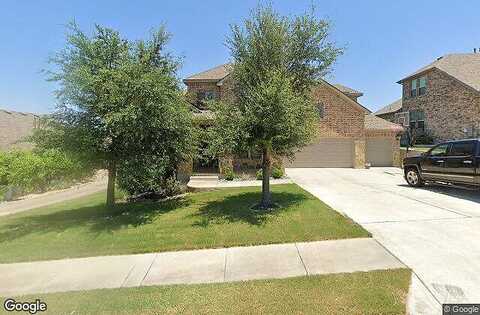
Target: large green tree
277, 61
120, 104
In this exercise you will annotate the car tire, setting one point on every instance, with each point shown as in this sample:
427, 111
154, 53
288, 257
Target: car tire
413, 177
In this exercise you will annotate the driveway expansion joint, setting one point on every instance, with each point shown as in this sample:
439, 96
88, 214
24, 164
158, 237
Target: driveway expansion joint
301, 259
149, 268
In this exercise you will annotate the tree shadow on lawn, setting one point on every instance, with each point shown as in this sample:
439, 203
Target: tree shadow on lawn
240, 208
99, 219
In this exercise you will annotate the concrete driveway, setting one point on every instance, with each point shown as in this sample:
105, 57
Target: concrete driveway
433, 230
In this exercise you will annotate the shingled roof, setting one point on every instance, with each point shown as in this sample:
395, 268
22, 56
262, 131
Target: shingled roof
463, 67
347, 90
211, 75
374, 123
390, 108
220, 72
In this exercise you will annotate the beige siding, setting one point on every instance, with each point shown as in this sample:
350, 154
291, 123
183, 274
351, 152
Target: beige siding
328, 152
379, 151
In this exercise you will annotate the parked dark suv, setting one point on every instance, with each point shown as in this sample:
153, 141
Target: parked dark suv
454, 162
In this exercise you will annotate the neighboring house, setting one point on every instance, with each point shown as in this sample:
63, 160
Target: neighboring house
390, 111
14, 127
349, 135
442, 99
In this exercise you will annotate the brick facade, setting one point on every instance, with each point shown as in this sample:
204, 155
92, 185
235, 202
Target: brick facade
343, 117
448, 104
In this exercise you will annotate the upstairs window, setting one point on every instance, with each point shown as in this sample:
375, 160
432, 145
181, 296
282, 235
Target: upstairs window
422, 86
418, 86
413, 88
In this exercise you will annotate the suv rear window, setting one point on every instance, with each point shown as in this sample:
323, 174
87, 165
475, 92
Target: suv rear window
462, 148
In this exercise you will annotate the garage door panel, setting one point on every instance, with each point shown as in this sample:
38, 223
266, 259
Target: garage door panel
326, 153
379, 152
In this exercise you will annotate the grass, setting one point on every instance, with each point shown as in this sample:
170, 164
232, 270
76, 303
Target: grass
222, 218
375, 292
419, 148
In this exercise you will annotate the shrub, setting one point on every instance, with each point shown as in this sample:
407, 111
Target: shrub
40, 171
171, 187
142, 175
277, 172
150, 177
229, 174
424, 139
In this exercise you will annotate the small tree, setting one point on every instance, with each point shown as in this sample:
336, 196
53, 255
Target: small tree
119, 101
277, 61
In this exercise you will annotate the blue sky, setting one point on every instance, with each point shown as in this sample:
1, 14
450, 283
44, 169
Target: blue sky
385, 40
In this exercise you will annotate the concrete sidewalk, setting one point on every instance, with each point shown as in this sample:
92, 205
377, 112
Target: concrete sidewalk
197, 266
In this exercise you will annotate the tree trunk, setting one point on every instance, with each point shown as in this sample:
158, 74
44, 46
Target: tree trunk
266, 166
112, 174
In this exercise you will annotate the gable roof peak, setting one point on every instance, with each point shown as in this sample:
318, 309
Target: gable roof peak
214, 74
464, 67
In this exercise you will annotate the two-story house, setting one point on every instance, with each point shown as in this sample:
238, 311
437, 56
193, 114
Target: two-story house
441, 99
349, 135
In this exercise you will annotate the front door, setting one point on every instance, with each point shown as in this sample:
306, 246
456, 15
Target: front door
459, 164
433, 164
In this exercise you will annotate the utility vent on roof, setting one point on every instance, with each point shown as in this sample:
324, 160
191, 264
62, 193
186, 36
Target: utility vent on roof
439, 57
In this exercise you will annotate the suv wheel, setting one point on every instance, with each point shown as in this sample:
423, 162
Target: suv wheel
413, 178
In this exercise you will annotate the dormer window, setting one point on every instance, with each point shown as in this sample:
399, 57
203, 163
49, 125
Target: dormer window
418, 87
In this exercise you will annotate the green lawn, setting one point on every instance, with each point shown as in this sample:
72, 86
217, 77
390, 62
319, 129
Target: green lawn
221, 218
419, 148
375, 292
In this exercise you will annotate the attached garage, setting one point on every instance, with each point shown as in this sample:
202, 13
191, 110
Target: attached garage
328, 152
379, 151
382, 142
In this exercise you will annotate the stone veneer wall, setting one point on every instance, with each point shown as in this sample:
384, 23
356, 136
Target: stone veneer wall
448, 104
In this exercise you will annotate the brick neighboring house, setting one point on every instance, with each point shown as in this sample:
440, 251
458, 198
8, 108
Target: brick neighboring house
349, 136
442, 99
14, 127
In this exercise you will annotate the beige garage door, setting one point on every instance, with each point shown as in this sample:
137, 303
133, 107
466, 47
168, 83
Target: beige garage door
379, 152
326, 153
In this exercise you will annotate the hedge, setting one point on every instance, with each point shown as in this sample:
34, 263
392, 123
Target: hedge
28, 171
